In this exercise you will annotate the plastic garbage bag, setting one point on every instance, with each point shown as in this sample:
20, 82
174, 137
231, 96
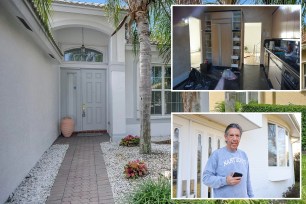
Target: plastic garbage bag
229, 75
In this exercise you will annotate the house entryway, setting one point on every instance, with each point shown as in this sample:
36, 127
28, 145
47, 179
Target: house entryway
82, 177
83, 97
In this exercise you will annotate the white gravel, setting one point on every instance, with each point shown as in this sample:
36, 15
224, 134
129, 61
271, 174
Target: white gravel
116, 157
36, 186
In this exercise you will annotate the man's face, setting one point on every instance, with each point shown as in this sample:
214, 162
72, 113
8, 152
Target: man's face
232, 138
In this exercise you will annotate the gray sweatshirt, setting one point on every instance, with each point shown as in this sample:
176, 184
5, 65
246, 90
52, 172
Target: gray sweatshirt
222, 163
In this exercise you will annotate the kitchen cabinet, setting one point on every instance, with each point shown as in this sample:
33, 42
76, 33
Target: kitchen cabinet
286, 22
266, 62
207, 38
275, 72
297, 23
279, 23
236, 39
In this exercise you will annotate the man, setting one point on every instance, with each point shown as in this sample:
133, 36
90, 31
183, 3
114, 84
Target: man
223, 163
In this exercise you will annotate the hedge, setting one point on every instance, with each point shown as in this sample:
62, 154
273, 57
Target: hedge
280, 108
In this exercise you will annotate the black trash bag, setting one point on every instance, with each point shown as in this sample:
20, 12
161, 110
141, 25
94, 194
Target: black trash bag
194, 79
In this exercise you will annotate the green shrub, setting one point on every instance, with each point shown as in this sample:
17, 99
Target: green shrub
152, 191
280, 108
135, 169
220, 107
292, 192
130, 141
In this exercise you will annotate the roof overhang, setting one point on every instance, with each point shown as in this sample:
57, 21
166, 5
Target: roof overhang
24, 10
248, 121
223, 120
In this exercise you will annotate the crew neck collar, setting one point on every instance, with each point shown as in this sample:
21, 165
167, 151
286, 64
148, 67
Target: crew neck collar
231, 151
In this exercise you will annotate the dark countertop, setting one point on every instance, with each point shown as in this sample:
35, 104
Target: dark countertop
290, 62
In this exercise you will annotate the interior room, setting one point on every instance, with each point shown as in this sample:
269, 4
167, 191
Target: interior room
236, 47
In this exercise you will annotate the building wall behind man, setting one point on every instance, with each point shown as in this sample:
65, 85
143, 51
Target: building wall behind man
296, 98
29, 104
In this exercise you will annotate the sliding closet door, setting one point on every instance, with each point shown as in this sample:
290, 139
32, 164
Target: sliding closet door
215, 44
221, 39
226, 44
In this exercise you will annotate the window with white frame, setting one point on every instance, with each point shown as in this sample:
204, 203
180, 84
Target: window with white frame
278, 144
163, 100
86, 55
247, 97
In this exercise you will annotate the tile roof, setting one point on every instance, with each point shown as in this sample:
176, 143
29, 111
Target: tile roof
80, 3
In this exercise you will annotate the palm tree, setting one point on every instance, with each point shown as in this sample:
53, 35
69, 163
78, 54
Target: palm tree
44, 12
138, 15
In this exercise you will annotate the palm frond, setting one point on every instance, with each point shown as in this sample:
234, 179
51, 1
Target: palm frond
44, 10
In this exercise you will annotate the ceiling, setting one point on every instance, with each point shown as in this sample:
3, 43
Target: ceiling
197, 11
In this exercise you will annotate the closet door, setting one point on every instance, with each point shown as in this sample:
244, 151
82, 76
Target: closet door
215, 44
226, 44
221, 39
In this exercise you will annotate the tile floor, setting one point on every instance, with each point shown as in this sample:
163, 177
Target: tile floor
254, 78
82, 177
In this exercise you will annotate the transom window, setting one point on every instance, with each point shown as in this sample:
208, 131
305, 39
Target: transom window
278, 154
163, 100
77, 55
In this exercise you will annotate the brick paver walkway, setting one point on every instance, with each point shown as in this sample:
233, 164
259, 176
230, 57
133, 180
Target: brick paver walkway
82, 177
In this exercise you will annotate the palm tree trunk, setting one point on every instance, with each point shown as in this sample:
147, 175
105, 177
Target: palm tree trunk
145, 90
230, 99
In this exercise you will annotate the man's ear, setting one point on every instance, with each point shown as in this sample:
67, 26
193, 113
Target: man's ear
225, 138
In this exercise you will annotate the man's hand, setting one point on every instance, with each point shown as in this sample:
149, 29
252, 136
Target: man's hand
230, 180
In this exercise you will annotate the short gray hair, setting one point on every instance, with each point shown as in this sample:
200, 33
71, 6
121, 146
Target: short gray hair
233, 125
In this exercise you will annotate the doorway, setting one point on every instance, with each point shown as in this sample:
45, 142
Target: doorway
252, 43
195, 41
83, 97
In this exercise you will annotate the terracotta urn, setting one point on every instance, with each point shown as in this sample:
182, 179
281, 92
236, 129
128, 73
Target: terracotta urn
67, 126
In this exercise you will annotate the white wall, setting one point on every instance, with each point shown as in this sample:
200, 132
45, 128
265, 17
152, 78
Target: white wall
29, 104
195, 32
159, 126
260, 14
255, 143
252, 36
71, 37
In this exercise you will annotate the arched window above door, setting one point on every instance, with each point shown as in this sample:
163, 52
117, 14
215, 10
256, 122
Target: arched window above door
87, 55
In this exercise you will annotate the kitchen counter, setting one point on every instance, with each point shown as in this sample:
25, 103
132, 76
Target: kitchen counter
284, 72
288, 61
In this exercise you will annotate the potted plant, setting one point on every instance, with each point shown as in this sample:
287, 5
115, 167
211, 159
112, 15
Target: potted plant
67, 126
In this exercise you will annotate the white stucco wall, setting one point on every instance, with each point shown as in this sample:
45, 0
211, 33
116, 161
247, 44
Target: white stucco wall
160, 126
29, 104
254, 143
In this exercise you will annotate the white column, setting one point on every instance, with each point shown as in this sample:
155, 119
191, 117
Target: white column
117, 105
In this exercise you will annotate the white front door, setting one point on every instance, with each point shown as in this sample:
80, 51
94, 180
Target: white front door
83, 97
93, 99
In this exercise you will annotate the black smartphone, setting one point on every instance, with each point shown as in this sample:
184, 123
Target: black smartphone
236, 174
